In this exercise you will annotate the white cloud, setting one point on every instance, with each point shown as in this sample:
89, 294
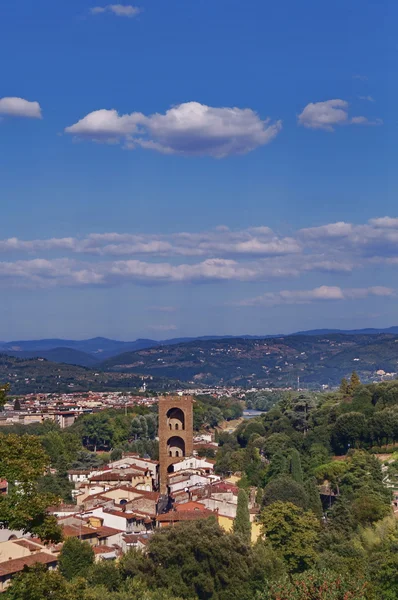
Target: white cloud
220, 254
324, 115
106, 125
332, 230
385, 222
329, 114
365, 121
368, 98
256, 242
18, 107
191, 128
120, 10
321, 293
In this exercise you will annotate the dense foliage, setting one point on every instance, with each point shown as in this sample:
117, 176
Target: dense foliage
22, 462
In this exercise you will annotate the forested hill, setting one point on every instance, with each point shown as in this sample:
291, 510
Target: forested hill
317, 360
274, 362
37, 375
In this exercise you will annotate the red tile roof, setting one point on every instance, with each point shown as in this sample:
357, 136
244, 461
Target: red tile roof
17, 564
103, 531
189, 515
77, 530
187, 506
32, 546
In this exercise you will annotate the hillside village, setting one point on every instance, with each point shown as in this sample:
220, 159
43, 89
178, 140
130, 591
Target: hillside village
234, 478
119, 507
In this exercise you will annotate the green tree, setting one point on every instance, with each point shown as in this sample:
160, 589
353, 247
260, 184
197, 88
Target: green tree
96, 430
355, 382
348, 430
17, 404
344, 387
195, 560
278, 466
4, 389
295, 466
22, 462
106, 574
116, 454
318, 585
136, 428
293, 533
384, 572
37, 583
242, 525
285, 489
57, 484
369, 506
333, 473
340, 516
313, 498
75, 558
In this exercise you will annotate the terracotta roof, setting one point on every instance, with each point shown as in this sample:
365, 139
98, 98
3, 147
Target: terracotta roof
97, 496
17, 564
103, 531
32, 546
223, 486
77, 530
114, 476
188, 506
148, 495
188, 515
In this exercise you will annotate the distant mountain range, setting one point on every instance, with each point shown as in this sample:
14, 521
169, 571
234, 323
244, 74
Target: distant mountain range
274, 361
315, 357
94, 351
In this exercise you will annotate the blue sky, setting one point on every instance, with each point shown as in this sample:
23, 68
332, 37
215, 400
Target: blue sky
190, 168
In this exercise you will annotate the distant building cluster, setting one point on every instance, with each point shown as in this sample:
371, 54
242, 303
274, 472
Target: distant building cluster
64, 409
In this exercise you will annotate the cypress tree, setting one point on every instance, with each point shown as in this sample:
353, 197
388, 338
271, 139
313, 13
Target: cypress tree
344, 387
314, 499
242, 525
355, 382
295, 466
278, 466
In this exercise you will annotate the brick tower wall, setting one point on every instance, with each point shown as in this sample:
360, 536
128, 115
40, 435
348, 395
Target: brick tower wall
167, 430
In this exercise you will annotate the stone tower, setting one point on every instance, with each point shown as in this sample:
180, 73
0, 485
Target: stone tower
175, 433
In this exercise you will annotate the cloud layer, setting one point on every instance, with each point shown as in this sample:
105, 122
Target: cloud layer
318, 294
330, 114
18, 107
256, 254
190, 128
